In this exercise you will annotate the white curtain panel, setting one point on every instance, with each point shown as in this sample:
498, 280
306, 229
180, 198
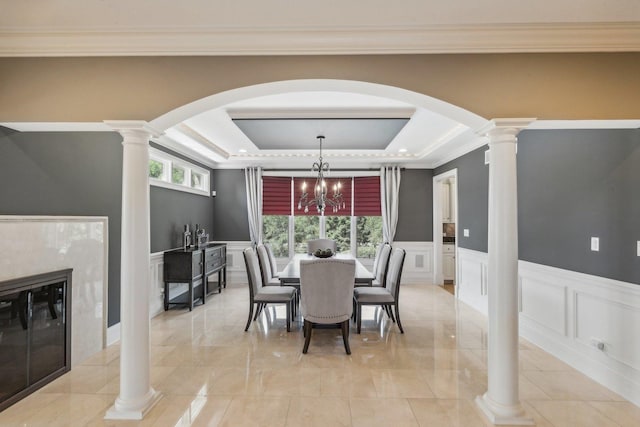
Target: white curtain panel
389, 194
253, 181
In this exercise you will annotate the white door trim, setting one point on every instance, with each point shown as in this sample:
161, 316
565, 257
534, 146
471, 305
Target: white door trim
438, 276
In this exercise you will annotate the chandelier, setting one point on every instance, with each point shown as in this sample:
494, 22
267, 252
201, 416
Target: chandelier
321, 197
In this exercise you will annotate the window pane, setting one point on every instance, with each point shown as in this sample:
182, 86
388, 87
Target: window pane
156, 169
177, 174
338, 228
305, 228
196, 180
368, 235
276, 232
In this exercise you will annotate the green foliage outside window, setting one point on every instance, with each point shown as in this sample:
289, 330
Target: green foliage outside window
177, 175
156, 169
305, 228
338, 228
368, 235
275, 230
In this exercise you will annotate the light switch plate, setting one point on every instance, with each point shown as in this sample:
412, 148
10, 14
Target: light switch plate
595, 244
466, 234
638, 249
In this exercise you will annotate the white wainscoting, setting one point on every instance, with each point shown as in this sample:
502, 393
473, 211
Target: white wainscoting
569, 314
418, 262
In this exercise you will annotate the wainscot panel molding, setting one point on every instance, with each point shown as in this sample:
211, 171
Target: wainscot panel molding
590, 322
418, 268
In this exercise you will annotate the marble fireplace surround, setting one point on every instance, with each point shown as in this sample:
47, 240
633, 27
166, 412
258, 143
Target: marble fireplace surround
38, 244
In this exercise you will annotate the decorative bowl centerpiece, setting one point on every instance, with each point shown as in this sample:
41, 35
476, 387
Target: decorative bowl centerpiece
323, 253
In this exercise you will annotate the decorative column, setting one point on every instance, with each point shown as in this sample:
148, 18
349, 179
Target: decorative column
501, 402
137, 396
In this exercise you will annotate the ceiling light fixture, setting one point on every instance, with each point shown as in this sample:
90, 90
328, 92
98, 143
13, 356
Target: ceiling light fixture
242, 150
320, 191
402, 150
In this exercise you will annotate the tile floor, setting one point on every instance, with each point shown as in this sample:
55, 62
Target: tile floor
211, 373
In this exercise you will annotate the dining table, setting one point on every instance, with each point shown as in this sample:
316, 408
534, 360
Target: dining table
290, 275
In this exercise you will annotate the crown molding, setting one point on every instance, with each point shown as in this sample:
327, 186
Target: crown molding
476, 38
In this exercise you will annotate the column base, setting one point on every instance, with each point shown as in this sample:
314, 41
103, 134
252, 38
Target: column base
133, 410
503, 415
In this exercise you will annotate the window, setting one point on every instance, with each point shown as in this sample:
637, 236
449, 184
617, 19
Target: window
305, 228
171, 172
338, 228
368, 235
356, 227
368, 215
275, 231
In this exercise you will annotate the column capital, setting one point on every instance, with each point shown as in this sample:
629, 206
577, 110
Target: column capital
504, 130
133, 129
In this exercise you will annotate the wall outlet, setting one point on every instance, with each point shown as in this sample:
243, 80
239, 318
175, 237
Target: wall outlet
465, 233
595, 244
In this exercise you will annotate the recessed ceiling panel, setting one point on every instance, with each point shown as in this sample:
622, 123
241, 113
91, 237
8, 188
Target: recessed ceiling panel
340, 134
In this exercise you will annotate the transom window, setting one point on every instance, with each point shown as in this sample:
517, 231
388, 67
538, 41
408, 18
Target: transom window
171, 172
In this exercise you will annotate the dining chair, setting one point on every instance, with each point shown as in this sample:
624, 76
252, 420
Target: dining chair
315, 244
272, 260
326, 287
263, 295
381, 264
265, 268
387, 297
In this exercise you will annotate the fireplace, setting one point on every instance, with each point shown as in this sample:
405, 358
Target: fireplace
35, 333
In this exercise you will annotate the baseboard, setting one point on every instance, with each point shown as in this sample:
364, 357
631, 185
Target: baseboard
113, 334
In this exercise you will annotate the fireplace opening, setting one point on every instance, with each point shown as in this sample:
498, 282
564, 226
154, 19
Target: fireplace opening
35, 333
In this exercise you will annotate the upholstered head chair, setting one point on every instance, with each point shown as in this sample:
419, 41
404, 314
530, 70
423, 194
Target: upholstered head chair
326, 287
380, 265
261, 295
387, 297
265, 268
272, 260
314, 245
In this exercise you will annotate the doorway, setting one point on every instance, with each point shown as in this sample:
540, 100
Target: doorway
445, 220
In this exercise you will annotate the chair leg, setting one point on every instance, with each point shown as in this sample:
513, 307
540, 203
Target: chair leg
358, 317
289, 317
258, 311
398, 317
246, 328
307, 335
390, 312
345, 336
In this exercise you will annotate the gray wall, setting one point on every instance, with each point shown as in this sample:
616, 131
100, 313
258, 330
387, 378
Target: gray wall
473, 198
415, 207
576, 184
63, 173
572, 185
171, 210
230, 221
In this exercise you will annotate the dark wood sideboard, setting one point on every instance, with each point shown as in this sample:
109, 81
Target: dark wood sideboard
193, 266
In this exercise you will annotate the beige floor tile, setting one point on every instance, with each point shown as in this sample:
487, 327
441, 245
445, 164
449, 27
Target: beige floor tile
465, 384
347, 382
446, 413
571, 414
624, 413
568, 385
256, 411
381, 412
400, 383
319, 412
